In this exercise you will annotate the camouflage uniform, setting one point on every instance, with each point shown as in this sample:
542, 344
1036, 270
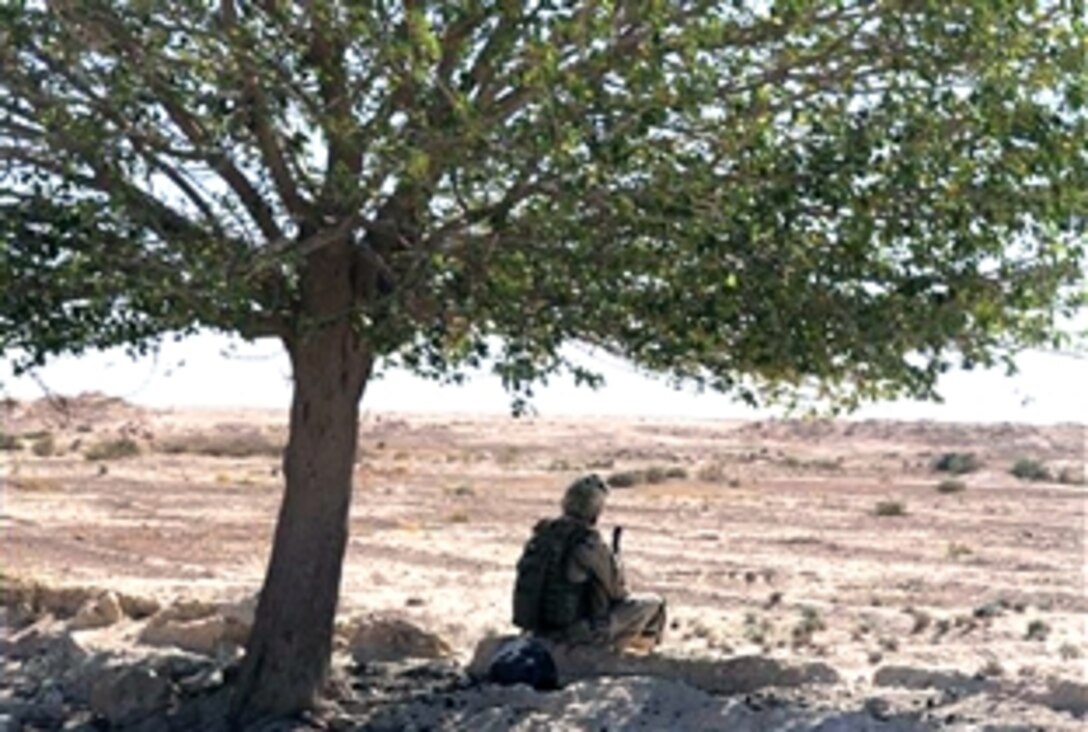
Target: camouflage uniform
610, 614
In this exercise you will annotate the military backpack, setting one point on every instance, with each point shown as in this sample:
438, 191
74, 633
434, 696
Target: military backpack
543, 597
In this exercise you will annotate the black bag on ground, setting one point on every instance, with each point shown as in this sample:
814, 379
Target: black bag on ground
524, 661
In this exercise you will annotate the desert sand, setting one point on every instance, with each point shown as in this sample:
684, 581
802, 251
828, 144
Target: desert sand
803, 542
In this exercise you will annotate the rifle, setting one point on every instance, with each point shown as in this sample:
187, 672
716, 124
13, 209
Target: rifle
617, 534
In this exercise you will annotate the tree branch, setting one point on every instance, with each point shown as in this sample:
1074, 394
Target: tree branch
150, 69
267, 139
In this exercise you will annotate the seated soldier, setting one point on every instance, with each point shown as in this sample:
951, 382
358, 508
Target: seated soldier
570, 586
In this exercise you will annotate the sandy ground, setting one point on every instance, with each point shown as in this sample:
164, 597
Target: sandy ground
771, 544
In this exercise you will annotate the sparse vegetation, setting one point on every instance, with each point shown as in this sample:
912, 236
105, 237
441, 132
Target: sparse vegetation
120, 448
715, 473
921, 618
463, 491
652, 475
1029, 469
29, 484
951, 485
1038, 630
10, 443
711, 473
44, 445
890, 508
957, 463
810, 624
507, 456
458, 517
625, 479
236, 443
817, 464
992, 669
655, 474
956, 550
756, 629
1070, 651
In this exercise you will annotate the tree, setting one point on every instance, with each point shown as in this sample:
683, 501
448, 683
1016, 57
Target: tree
785, 200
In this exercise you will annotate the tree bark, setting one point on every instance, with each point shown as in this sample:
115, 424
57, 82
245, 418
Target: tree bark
287, 656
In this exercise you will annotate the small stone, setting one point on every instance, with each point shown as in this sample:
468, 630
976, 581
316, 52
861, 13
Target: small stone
138, 608
130, 695
878, 708
393, 639
97, 612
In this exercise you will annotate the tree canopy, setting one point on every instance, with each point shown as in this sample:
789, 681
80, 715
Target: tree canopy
774, 198
779, 193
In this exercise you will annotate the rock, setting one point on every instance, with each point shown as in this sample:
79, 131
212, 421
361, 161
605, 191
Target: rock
45, 638
201, 627
242, 612
878, 708
208, 636
138, 608
129, 695
921, 678
202, 681
1066, 696
97, 612
393, 639
187, 610
63, 602
485, 651
46, 709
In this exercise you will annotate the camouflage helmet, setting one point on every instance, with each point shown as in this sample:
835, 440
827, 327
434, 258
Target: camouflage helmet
584, 498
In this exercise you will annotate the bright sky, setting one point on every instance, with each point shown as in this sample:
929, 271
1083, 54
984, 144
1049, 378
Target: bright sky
212, 370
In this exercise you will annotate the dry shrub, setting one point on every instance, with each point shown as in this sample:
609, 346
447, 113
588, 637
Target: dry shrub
652, 475
711, 473
1071, 476
1029, 469
222, 442
44, 446
34, 485
10, 442
112, 449
951, 486
957, 463
890, 508
956, 550
655, 475
1038, 630
626, 478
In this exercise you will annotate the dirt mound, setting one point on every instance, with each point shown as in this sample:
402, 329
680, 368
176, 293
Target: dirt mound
56, 412
1048, 441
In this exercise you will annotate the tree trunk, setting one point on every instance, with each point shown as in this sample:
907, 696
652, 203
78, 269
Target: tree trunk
287, 656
